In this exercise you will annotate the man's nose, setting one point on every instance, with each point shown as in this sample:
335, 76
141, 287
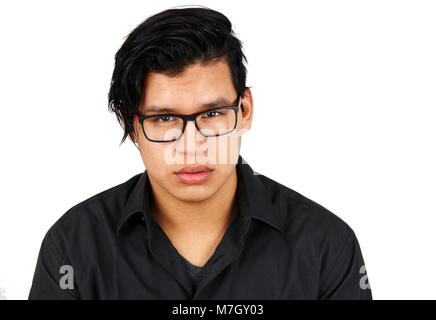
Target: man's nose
188, 142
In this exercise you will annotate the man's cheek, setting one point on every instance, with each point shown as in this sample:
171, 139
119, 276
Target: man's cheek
172, 154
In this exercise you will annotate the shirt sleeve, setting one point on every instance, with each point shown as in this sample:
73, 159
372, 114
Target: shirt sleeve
344, 276
46, 284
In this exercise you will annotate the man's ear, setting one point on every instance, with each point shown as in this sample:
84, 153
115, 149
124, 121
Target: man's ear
247, 112
132, 137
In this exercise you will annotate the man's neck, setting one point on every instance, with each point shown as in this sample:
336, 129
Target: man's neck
196, 228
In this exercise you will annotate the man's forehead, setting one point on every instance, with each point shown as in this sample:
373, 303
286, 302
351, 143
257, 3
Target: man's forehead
199, 86
195, 73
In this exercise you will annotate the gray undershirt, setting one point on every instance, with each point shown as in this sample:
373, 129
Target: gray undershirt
195, 273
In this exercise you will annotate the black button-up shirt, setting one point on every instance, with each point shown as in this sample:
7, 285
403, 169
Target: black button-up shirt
279, 245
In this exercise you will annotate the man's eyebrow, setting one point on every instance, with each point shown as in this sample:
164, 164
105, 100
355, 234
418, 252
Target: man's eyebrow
221, 101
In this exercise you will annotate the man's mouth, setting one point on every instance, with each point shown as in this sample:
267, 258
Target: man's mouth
194, 174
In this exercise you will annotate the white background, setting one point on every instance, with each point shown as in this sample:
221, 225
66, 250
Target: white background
344, 113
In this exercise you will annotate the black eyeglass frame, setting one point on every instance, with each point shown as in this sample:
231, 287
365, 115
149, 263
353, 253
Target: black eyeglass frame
190, 117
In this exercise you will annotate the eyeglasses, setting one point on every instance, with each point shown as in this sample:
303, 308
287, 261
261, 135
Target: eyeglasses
210, 123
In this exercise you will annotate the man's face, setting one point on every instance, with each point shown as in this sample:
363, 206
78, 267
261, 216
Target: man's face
185, 94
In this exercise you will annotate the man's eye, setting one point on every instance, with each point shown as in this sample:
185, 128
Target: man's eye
212, 114
163, 119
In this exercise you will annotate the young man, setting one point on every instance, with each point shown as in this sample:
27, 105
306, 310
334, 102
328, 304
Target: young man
198, 223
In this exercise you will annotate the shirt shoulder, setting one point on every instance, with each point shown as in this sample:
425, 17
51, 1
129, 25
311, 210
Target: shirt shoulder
93, 217
302, 217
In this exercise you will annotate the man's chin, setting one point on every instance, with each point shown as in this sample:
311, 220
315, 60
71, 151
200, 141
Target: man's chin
193, 193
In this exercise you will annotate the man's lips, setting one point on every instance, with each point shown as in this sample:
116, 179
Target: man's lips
194, 174
194, 169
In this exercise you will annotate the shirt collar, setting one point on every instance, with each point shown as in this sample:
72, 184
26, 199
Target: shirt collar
256, 199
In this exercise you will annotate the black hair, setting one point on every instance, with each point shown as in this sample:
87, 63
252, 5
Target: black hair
167, 43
